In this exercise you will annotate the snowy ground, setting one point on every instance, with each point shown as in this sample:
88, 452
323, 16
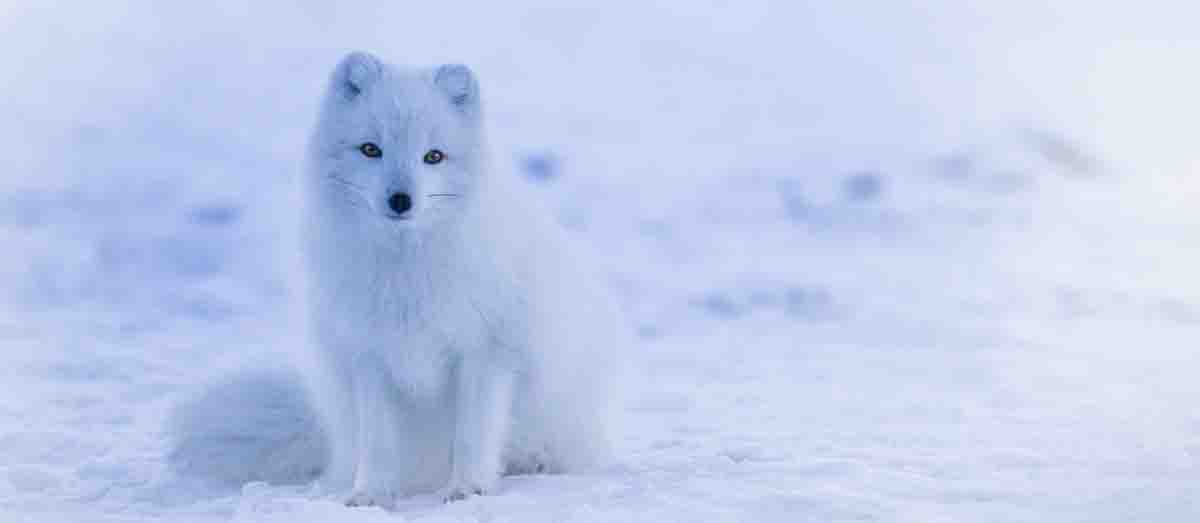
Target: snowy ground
883, 263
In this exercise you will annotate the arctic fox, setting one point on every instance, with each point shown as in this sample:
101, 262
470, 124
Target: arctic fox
454, 339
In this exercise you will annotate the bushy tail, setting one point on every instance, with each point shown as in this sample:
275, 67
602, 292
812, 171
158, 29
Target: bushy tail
255, 425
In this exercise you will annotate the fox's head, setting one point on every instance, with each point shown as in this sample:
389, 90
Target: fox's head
401, 146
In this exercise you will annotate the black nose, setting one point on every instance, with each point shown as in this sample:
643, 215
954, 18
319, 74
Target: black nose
400, 202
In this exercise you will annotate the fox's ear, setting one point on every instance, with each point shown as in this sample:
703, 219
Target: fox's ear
356, 73
459, 85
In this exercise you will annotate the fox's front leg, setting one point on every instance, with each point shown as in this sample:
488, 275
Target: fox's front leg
483, 403
378, 446
340, 422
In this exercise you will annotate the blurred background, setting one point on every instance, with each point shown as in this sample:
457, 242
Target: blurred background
909, 263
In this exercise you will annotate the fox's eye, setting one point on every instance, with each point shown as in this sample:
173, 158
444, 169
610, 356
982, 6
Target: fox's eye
434, 156
370, 150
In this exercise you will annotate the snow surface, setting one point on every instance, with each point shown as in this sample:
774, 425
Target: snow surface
884, 263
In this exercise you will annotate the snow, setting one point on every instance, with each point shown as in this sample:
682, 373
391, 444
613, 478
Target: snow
884, 262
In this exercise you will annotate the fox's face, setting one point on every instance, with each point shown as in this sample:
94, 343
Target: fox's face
400, 147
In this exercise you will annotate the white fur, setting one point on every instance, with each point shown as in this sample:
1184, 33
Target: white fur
461, 342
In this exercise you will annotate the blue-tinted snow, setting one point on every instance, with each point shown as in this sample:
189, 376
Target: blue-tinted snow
897, 263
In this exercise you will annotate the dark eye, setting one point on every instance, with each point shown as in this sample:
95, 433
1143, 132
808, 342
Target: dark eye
434, 156
370, 150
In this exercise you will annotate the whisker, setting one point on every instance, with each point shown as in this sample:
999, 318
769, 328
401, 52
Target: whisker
345, 182
354, 195
355, 201
443, 195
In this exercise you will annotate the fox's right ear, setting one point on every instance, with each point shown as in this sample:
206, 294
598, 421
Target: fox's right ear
356, 73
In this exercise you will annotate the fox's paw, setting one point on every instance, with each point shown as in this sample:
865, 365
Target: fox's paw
383, 500
461, 491
532, 463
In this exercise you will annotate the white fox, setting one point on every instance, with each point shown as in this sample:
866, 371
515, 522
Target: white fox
455, 338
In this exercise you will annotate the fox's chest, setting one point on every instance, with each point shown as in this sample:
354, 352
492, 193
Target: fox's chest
430, 306
418, 333
424, 318
422, 309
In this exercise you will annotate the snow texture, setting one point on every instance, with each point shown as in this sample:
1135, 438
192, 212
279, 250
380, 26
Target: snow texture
883, 262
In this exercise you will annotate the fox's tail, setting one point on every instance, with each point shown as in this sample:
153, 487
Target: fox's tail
255, 425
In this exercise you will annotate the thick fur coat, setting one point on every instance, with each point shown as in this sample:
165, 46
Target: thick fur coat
455, 337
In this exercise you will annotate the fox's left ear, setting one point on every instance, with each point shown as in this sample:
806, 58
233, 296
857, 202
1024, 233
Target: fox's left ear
458, 83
